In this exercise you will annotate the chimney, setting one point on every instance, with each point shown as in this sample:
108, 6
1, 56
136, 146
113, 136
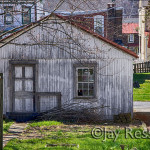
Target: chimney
111, 5
111, 12
114, 24
39, 10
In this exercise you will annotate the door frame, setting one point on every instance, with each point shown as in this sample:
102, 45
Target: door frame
12, 67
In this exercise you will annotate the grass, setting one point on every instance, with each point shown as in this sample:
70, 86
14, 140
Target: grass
142, 93
44, 123
6, 125
80, 137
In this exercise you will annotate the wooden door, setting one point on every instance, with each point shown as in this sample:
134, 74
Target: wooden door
24, 88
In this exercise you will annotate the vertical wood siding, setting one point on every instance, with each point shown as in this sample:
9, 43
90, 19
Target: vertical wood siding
56, 74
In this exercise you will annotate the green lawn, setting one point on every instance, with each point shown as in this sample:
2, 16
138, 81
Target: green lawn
72, 137
6, 125
142, 93
44, 123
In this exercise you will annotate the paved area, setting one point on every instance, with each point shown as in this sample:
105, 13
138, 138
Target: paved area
14, 132
142, 112
141, 106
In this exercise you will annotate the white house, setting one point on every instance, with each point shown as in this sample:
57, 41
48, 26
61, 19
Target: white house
55, 62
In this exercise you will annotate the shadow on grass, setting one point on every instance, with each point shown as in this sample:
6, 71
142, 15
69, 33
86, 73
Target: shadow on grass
141, 77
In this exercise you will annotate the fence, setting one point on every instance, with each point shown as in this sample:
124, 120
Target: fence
141, 67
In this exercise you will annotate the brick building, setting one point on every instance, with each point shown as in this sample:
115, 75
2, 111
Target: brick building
130, 36
107, 22
130, 7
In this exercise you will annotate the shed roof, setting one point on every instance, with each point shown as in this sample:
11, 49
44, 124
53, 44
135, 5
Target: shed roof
14, 35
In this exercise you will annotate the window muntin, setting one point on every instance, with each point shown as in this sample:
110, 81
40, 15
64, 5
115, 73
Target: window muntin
26, 15
8, 17
131, 38
99, 24
85, 82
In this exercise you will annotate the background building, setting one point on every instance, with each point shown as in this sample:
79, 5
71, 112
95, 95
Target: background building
130, 36
130, 7
14, 14
106, 22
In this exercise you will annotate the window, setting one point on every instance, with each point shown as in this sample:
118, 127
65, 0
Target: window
131, 38
8, 17
26, 15
85, 81
99, 24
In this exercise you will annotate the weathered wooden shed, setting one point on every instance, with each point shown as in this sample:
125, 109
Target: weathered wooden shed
55, 63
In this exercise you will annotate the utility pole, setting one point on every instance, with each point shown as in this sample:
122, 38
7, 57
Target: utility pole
140, 6
141, 31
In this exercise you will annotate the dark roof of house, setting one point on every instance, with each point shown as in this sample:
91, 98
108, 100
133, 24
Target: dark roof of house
32, 25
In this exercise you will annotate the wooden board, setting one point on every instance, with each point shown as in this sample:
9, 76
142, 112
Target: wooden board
1, 111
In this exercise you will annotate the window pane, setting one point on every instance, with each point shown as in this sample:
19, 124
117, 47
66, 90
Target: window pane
85, 86
80, 93
85, 78
80, 86
79, 72
28, 72
91, 86
26, 15
18, 72
99, 24
91, 76
91, 71
85, 72
80, 78
85, 93
18, 85
91, 93
25, 10
29, 85
91, 89
8, 18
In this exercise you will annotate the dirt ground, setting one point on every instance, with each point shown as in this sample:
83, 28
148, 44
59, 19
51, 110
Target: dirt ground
41, 132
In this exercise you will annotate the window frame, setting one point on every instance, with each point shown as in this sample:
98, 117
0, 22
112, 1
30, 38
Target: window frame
23, 22
8, 14
87, 65
129, 38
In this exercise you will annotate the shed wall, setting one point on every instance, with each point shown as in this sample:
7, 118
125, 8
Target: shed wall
56, 53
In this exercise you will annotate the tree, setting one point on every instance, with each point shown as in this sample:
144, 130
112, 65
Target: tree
71, 44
